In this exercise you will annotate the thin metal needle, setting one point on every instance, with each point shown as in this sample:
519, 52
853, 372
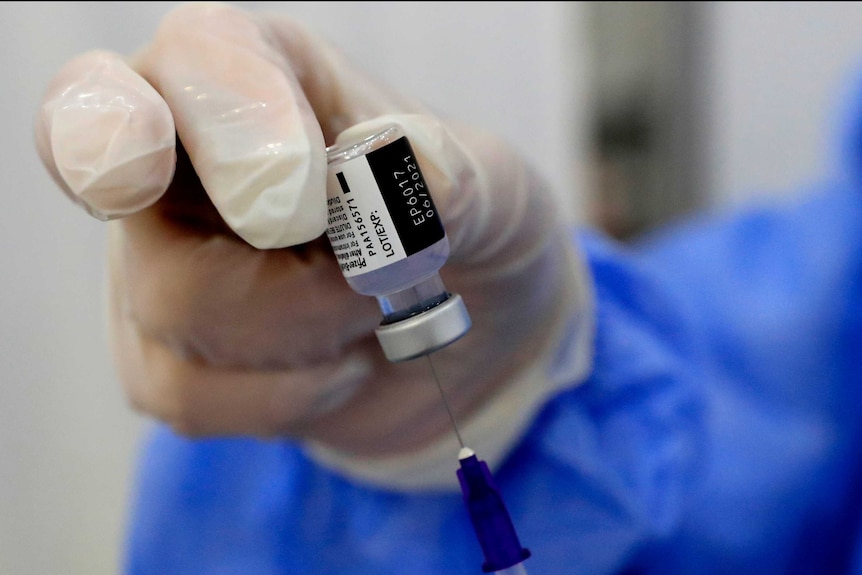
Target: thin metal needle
445, 402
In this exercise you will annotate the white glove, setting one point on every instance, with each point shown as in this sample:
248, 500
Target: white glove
229, 314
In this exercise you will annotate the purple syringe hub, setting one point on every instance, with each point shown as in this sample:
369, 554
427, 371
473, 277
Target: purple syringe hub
489, 516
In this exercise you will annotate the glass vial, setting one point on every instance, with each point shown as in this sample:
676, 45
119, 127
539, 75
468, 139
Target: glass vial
390, 243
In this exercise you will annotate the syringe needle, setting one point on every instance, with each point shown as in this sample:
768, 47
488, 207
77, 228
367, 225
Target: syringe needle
445, 401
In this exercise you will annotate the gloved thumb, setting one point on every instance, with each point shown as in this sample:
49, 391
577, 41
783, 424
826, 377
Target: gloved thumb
492, 204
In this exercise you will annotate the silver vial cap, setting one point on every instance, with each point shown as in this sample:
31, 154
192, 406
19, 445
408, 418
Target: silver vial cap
426, 332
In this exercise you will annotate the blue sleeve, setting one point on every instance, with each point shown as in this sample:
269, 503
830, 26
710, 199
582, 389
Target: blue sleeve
774, 303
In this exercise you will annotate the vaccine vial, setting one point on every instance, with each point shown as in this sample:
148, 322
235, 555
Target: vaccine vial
390, 243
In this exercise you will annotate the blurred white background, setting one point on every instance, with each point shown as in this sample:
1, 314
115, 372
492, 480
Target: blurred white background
775, 81
759, 89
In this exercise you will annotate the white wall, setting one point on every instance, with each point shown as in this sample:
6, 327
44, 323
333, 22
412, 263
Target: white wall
67, 437
774, 83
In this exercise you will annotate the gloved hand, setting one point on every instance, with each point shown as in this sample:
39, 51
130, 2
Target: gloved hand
228, 312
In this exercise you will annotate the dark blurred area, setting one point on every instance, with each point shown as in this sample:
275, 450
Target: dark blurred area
646, 164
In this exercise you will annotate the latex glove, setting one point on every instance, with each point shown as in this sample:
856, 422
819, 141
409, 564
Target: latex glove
229, 314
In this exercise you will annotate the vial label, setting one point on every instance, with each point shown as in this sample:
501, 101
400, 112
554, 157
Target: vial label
380, 210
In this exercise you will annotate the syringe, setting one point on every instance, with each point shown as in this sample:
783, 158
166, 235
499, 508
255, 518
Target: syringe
491, 521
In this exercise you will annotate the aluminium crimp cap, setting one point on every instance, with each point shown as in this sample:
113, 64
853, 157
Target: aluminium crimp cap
425, 332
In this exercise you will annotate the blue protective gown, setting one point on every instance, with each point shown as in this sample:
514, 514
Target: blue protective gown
720, 430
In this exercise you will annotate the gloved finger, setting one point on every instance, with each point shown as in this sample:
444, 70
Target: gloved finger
252, 99
495, 210
221, 301
106, 136
203, 400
